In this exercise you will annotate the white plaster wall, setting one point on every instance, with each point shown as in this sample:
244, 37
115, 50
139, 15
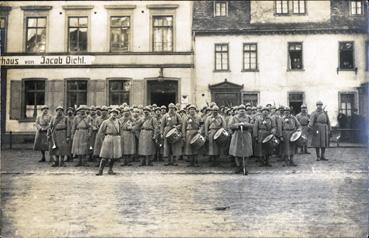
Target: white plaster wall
263, 12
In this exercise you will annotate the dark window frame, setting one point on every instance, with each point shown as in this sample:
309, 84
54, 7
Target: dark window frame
122, 91
302, 101
354, 107
353, 68
78, 27
356, 8
257, 93
162, 27
227, 69
4, 39
36, 28
280, 2
289, 63
67, 91
34, 91
367, 55
120, 27
299, 7
215, 7
250, 51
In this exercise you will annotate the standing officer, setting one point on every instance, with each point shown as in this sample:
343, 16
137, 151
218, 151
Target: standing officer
99, 138
148, 134
70, 118
169, 121
81, 132
241, 142
191, 126
212, 124
42, 125
127, 137
321, 127
264, 126
303, 117
111, 147
289, 125
59, 134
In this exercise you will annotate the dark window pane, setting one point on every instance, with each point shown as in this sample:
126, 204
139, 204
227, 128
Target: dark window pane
72, 85
116, 85
83, 39
82, 98
82, 85
346, 55
30, 99
40, 98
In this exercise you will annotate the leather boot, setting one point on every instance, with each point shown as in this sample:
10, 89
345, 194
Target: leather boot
101, 167
111, 164
79, 161
291, 162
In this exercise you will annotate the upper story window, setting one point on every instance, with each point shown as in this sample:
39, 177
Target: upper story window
119, 33
76, 93
220, 8
281, 6
356, 7
298, 7
295, 56
34, 97
35, 34
2, 34
221, 57
77, 34
162, 33
346, 55
250, 62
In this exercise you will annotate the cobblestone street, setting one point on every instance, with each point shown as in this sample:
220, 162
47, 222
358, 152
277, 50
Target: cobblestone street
327, 199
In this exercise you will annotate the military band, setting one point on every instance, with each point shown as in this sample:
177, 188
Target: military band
131, 133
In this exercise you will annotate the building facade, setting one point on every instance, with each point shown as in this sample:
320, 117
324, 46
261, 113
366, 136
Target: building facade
94, 53
283, 53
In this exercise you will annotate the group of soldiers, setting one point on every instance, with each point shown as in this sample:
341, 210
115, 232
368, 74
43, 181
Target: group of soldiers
135, 133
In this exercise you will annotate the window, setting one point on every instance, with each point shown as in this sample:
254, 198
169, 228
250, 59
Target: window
295, 56
77, 34
250, 60
221, 57
347, 105
162, 33
356, 7
2, 34
281, 6
298, 6
295, 100
119, 33
118, 92
35, 34
346, 55
220, 8
76, 93
251, 98
34, 96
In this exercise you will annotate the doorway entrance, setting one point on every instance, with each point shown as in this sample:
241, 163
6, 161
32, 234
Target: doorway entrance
162, 92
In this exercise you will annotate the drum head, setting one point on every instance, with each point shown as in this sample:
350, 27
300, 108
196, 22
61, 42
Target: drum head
195, 138
295, 136
172, 131
218, 133
268, 138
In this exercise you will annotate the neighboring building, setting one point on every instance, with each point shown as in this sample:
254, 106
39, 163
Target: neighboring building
284, 53
92, 52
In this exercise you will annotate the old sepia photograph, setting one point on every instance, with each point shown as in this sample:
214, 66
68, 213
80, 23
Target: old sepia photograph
217, 118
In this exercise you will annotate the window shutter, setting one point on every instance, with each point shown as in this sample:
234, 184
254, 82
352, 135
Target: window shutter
96, 92
55, 94
15, 99
137, 92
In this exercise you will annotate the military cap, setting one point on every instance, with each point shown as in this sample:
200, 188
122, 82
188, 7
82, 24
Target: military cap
182, 110
319, 102
248, 107
171, 105
134, 106
204, 108
70, 109
59, 108
273, 107
265, 109
114, 109
303, 106
253, 108
92, 108
140, 106
126, 109
163, 107
157, 109
147, 108
248, 104
44, 107
215, 108
82, 107
281, 108
98, 108
154, 105
287, 109
104, 108
241, 107
259, 107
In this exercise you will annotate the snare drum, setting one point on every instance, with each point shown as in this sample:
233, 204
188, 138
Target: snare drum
298, 138
221, 137
173, 136
271, 141
197, 141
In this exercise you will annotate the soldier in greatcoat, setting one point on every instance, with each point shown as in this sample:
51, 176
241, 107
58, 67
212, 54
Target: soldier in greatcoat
81, 132
99, 137
42, 125
263, 126
169, 121
278, 119
94, 129
303, 117
320, 126
212, 124
241, 141
59, 134
158, 142
191, 126
111, 148
148, 134
127, 137
289, 125
70, 118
